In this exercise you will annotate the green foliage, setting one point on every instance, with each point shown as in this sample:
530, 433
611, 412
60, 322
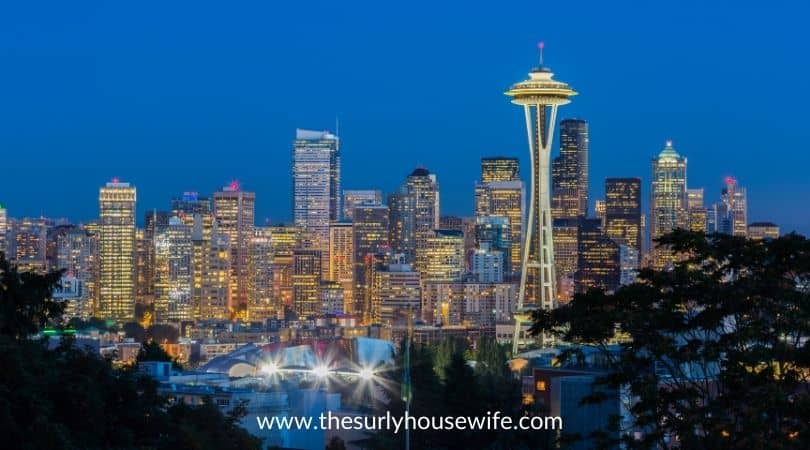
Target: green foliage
715, 351
26, 305
444, 384
68, 398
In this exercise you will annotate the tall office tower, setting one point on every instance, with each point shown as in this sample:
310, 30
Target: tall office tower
501, 193
341, 260
396, 292
3, 228
566, 255
306, 282
194, 211
234, 214
173, 273
262, 304
316, 188
499, 168
211, 288
424, 188
77, 255
55, 231
495, 233
155, 222
667, 201
629, 261
540, 97
698, 215
569, 171
117, 251
28, 244
370, 236
401, 224
732, 211
285, 240
763, 230
598, 264
355, 198
441, 257
622, 221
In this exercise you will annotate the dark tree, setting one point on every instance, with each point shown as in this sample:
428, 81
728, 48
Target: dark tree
714, 352
336, 443
26, 305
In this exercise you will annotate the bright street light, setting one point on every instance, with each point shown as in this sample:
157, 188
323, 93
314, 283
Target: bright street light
321, 371
366, 373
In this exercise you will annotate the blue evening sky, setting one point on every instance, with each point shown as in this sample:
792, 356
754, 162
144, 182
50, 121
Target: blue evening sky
177, 96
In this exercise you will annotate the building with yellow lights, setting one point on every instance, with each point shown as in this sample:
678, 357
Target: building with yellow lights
116, 248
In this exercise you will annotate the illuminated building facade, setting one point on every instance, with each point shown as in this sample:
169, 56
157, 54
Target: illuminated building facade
234, 211
504, 199
540, 96
3, 229
668, 208
396, 291
211, 283
598, 256
370, 237
306, 282
479, 305
284, 240
316, 187
359, 197
499, 168
487, 265
116, 284
401, 224
622, 221
263, 304
332, 301
77, 255
173, 273
441, 257
569, 171
698, 214
27, 244
341, 261
495, 233
732, 211
566, 254
763, 230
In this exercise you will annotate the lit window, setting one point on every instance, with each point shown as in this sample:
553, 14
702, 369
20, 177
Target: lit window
540, 386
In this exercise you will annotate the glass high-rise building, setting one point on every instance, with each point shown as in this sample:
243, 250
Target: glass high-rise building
598, 258
3, 229
698, 214
234, 212
414, 213
371, 234
569, 171
173, 273
732, 211
341, 261
359, 197
499, 168
622, 221
306, 282
117, 251
668, 201
316, 187
502, 193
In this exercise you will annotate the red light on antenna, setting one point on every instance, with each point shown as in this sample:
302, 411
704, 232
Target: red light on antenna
730, 180
116, 180
234, 186
540, 45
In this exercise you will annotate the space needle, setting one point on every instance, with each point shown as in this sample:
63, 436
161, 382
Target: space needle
540, 97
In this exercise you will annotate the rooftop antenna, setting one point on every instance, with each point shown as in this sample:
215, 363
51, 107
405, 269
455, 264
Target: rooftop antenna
540, 46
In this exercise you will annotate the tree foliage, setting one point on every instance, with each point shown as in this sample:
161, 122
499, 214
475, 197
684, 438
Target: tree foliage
72, 399
714, 353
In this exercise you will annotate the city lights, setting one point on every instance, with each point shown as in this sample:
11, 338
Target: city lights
320, 371
366, 373
270, 368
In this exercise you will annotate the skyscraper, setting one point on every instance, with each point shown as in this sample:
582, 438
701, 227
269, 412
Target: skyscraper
3, 228
441, 257
668, 201
569, 171
400, 224
173, 273
598, 258
423, 186
623, 211
306, 282
732, 212
698, 215
234, 211
499, 168
316, 187
540, 97
503, 195
263, 304
354, 198
341, 261
77, 255
117, 251
370, 238
284, 240
763, 230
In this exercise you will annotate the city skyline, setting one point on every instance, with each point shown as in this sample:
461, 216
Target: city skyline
167, 143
